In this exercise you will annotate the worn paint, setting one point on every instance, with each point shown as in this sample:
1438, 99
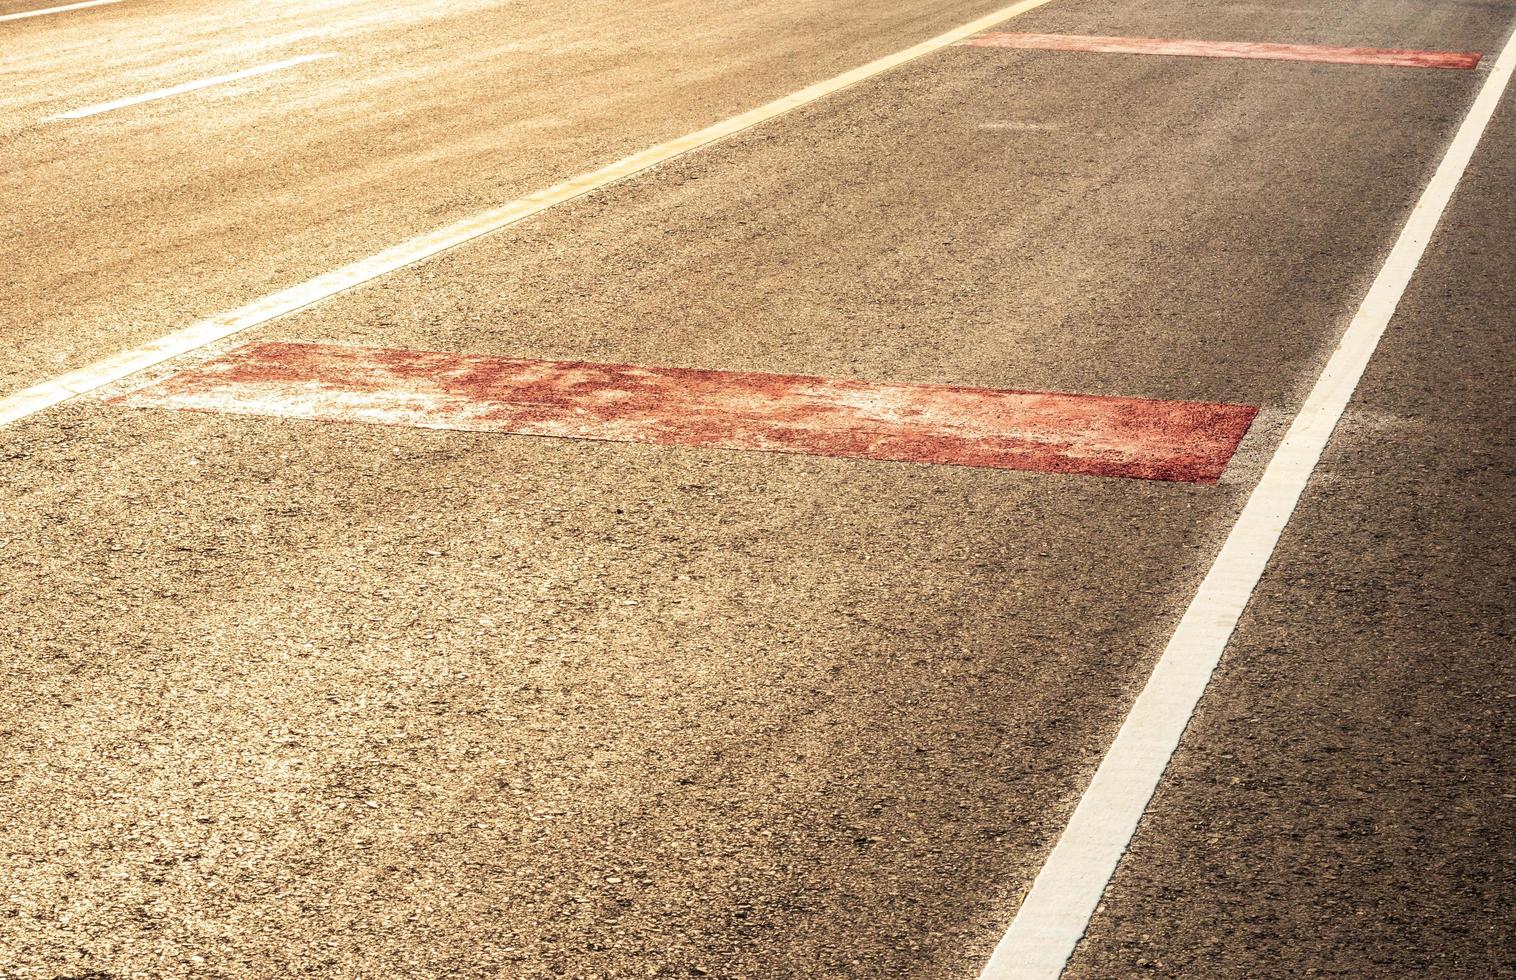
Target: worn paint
917, 423
1396, 57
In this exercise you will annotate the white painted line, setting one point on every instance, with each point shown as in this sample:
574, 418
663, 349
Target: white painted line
57, 10
1057, 910
163, 93
29, 401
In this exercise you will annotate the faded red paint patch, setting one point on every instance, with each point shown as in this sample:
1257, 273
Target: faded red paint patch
1022, 430
1231, 49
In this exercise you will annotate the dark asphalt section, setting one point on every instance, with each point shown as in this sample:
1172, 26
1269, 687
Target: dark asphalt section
1344, 803
1172, 228
301, 699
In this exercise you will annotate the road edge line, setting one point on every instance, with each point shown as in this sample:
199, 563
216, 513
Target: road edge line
128, 101
24, 14
44, 395
1056, 911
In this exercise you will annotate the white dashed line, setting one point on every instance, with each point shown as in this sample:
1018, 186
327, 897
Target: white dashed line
57, 10
163, 93
29, 401
1057, 910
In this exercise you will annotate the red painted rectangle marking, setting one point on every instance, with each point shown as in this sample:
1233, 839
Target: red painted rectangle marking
1230, 49
916, 423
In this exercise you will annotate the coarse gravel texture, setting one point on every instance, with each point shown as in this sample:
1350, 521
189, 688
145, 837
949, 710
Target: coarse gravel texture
289, 698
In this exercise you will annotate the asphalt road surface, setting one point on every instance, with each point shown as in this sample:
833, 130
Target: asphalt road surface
290, 694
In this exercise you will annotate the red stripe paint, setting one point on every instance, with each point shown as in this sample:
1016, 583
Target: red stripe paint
1131, 437
1230, 49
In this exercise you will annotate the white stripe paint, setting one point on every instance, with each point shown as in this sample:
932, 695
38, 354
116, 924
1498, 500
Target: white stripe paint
57, 10
1057, 910
164, 93
29, 401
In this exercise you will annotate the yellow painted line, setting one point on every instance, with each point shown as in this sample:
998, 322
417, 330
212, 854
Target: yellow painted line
57, 10
37, 398
164, 93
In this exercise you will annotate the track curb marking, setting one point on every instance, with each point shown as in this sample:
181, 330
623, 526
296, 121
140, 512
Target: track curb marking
1319, 53
1049, 432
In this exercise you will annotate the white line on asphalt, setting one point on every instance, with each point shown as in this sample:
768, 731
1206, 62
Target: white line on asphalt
163, 93
57, 10
29, 401
1057, 910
